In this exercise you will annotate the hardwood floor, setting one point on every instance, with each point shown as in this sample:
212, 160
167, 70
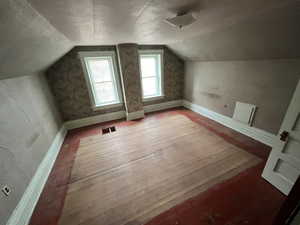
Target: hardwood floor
243, 199
132, 175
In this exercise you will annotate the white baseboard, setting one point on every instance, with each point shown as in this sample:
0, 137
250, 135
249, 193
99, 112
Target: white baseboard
95, 119
162, 106
72, 124
135, 115
22, 213
120, 115
255, 133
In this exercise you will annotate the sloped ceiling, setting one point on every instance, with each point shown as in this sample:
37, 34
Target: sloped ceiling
35, 33
28, 42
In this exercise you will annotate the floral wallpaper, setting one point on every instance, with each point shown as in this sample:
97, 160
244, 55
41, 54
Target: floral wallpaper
173, 75
129, 66
66, 79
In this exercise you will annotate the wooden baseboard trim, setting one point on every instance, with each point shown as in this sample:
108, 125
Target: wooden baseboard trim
94, 120
255, 133
162, 106
135, 115
22, 213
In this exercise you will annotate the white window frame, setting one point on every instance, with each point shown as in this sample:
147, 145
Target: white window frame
116, 78
160, 75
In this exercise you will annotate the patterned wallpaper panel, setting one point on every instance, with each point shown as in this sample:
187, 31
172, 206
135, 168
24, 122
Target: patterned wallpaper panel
66, 79
129, 66
173, 75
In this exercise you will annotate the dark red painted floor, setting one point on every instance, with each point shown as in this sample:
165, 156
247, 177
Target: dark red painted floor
243, 199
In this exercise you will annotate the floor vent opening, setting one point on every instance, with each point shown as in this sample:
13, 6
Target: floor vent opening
112, 129
105, 130
108, 130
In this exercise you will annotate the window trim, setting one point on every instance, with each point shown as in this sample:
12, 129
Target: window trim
161, 74
88, 79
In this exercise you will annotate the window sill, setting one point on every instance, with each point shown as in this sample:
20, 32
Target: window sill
153, 98
101, 107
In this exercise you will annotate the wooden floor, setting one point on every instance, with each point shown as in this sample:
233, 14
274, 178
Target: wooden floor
139, 171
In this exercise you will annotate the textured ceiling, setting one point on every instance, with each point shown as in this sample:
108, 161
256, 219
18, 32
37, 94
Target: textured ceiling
272, 35
28, 42
35, 33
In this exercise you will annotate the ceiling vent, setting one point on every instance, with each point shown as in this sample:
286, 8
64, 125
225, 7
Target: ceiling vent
181, 20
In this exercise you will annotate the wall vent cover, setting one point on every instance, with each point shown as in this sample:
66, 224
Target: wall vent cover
244, 113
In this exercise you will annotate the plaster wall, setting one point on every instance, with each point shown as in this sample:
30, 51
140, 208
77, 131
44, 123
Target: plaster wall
29, 122
268, 84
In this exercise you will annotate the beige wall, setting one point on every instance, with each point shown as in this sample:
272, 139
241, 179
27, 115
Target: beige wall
268, 84
29, 122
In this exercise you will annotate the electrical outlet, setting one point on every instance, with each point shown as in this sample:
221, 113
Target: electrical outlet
6, 190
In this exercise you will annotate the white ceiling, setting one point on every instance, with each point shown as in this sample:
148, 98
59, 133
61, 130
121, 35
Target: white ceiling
35, 33
28, 42
274, 34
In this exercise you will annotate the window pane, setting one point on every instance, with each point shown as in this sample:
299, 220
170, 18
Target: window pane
150, 86
100, 69
105, 92
148, 66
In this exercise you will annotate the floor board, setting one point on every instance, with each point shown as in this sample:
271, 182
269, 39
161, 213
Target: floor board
141, 170
243, 199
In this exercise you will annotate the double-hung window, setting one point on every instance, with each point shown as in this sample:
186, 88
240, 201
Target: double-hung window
102, 78
151, 73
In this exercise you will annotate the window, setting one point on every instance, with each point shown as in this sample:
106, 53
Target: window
102, 78
151, 73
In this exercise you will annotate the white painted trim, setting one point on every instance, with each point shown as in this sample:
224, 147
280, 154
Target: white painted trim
97, 108
153, 98
72, 124
255, 133
160, 77
84, 57
162, 106
22, 213
120, 115
135, 115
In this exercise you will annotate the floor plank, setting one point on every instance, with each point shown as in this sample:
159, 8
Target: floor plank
133, 174
243, 199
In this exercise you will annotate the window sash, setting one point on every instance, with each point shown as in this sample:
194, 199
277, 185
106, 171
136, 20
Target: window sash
156, 64
98, 101
113, 92
156, 87
158, 70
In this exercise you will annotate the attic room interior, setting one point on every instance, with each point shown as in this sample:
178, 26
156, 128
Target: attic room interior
149, 112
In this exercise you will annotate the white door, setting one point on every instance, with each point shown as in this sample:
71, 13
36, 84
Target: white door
283, 166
